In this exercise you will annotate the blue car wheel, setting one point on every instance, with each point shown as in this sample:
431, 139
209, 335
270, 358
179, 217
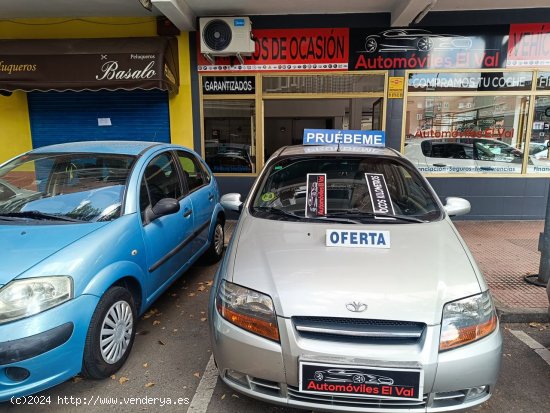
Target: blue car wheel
215, 252
110, 334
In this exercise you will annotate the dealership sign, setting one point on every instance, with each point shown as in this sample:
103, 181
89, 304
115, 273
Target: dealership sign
529, 45
341, 49
316, 195
294, 49
412, 48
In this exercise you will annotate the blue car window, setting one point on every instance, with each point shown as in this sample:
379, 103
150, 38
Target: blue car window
83, 187
162, 179
192, 171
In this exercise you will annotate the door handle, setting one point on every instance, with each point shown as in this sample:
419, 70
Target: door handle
187, 213
210, 197
440, 165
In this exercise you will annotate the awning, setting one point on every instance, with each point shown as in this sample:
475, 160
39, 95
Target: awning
89, 64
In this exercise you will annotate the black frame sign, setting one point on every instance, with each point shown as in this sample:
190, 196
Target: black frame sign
228, 85
316, 195
379, 194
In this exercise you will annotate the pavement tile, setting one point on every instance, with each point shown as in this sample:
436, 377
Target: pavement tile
505, 252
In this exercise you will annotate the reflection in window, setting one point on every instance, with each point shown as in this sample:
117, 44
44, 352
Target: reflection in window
466, 134
329, 84
540, 135
230, 136
162, 179
84, 187
194, 174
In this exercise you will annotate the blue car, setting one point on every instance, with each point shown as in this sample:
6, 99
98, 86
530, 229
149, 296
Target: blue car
90, 235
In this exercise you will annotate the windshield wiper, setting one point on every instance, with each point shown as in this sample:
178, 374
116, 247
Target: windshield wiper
375, 215
282, 212
334, 219
37, 215
277, 211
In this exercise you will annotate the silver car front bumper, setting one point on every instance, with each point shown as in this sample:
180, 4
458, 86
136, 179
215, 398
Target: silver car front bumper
266, 370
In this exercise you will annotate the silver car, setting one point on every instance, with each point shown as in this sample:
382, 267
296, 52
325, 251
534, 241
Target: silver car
380, 286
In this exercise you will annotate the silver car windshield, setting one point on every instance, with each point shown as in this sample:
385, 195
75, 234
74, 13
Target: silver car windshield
344, 188
63, 187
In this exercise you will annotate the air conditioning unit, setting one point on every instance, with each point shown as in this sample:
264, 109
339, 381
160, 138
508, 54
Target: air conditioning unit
226, 36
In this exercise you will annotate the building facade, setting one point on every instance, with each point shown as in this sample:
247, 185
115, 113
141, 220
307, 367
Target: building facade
65, 79
465, 96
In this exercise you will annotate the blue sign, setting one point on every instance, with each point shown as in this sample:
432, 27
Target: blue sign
238, 22
346, 137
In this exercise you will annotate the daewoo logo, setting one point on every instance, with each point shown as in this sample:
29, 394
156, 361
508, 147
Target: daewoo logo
356, 307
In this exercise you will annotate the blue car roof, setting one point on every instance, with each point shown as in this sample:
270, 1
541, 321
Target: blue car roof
109, 147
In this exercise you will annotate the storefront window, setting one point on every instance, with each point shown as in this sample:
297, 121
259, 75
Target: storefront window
466, 134
329, 84
290, 103
230, 135
543, 81
286, 119
540, 136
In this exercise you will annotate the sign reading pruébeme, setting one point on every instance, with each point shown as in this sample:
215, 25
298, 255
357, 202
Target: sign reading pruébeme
346, 137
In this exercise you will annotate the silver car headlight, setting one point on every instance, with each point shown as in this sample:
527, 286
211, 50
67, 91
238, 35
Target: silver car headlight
248, 309
467, 320
26, 297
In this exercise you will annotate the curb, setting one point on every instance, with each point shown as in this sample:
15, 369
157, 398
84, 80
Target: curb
522, 315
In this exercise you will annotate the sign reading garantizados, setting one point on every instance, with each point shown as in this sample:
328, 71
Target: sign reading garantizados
228, 85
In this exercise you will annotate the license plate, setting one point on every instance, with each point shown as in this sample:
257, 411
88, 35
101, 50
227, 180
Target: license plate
361, 381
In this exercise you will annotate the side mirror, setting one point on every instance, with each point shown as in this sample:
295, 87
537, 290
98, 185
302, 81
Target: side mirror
232, 202
456, 206
165, 206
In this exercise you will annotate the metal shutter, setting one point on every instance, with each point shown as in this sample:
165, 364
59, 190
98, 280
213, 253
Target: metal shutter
58, 117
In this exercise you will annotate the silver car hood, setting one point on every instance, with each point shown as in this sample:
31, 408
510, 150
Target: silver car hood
427, 266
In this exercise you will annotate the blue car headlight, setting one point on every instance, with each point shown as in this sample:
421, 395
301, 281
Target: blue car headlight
25, 297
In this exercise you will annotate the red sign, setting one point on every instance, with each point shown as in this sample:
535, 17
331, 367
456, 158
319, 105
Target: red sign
283, 50
529, 45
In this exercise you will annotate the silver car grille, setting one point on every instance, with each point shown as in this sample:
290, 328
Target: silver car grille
358, 330
347, 401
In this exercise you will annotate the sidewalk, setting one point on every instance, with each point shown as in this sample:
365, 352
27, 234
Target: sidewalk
506, 251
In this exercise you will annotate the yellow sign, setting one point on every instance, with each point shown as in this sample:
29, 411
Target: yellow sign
395, 89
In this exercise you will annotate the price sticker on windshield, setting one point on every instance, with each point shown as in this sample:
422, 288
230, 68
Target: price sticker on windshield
379, 194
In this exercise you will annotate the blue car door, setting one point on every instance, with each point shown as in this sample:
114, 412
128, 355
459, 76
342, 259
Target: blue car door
203, 196
167, 238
